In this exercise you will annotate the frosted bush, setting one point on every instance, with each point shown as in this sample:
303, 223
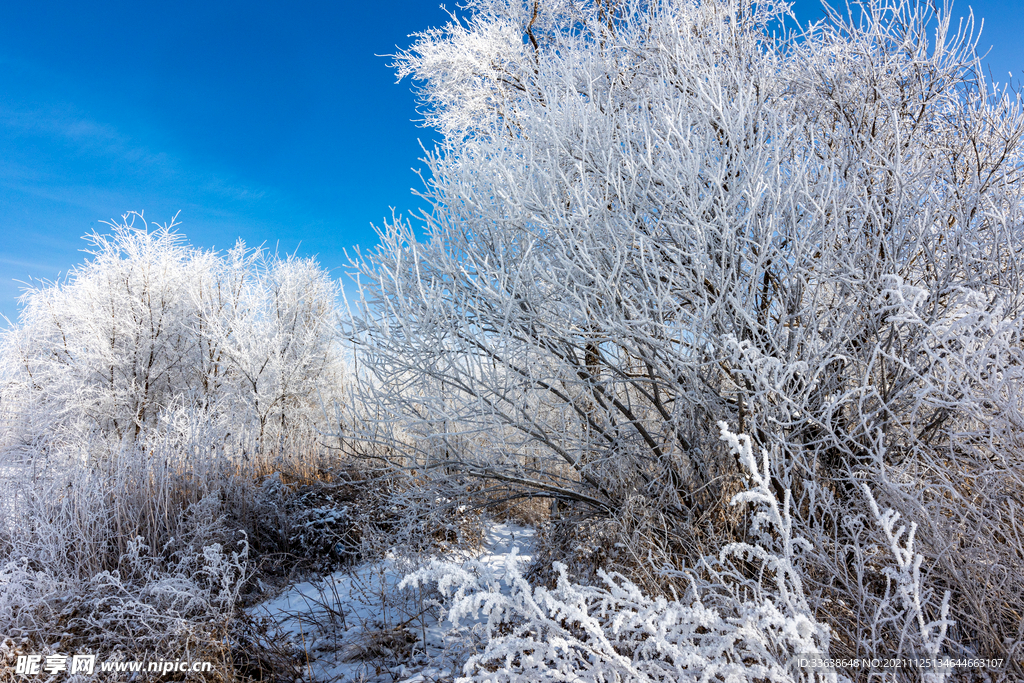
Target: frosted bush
147, 605
614, 632
732, 624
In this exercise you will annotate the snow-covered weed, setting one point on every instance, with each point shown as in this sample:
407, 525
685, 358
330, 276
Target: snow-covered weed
744, 617
181, 608
614, 632
149, 551
905, 591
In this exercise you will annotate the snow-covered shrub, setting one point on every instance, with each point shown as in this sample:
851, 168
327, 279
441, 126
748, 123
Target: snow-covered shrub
151, 552
172, 602
614, 632
744, 617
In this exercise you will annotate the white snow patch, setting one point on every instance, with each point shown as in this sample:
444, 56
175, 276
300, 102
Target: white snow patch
352, 625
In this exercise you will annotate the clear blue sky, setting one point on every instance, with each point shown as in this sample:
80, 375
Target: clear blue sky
271, 122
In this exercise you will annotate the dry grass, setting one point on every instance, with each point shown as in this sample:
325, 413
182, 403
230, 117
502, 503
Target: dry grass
150, 551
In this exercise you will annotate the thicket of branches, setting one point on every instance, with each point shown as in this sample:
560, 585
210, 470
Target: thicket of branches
649, 217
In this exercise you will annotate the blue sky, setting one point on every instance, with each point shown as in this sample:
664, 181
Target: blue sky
274, 123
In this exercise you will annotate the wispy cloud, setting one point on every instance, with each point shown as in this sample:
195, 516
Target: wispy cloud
54, 153
61, 173
27, 265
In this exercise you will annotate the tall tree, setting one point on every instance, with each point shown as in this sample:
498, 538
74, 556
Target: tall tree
651, 216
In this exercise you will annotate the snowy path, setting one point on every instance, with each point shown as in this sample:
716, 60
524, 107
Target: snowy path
354, 624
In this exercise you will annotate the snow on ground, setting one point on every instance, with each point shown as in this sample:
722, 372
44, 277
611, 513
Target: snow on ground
355, 624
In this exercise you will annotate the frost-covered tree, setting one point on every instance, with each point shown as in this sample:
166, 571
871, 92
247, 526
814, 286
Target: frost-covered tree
270, 334
651, 216
150, 331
